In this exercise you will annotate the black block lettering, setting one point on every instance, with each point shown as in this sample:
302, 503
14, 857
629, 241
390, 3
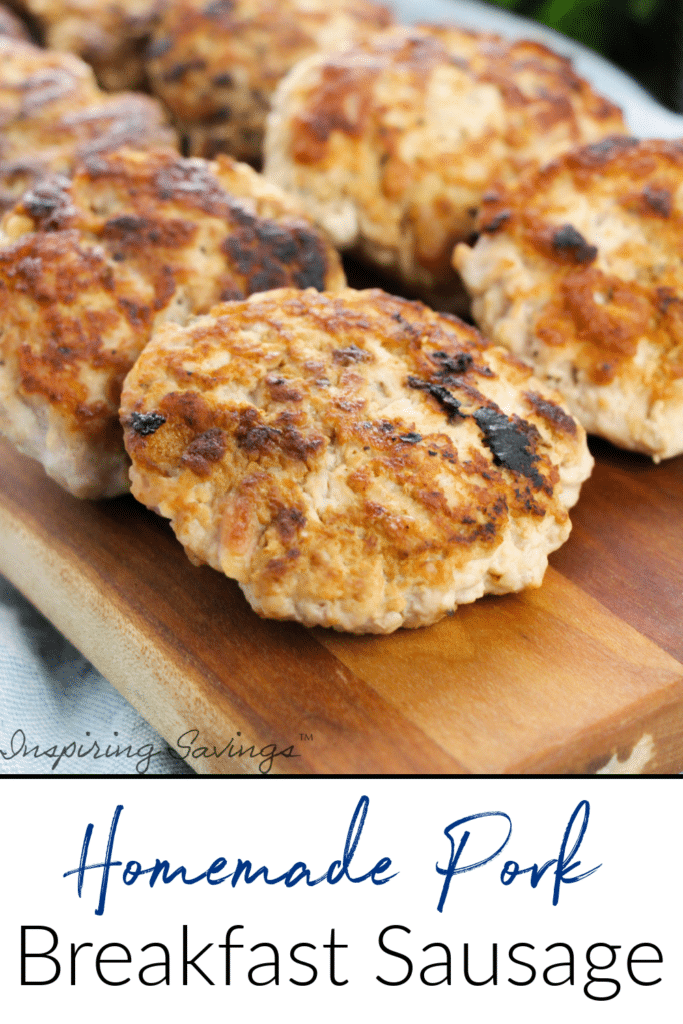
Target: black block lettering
25, 956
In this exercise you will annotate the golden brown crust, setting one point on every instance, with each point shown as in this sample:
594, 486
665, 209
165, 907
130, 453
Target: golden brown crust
602, 314
394, 141
533, 81
111, 36
88, 267
355, 453
217, 65
67, 283
578, 268
53, 114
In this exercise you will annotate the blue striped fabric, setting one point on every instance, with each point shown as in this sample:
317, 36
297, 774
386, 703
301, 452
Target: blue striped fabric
58, 715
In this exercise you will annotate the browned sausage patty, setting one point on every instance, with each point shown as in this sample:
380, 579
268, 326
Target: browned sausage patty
88, 267
216, 65
111, 35
393, 143
579, 271
53, 113
352, 460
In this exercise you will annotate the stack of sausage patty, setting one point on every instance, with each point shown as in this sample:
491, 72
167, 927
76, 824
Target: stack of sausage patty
353, 459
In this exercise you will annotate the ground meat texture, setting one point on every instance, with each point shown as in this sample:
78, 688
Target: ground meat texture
217, 65
583, 278
393, 143
350, 492
53, 114
89, 266
111, 36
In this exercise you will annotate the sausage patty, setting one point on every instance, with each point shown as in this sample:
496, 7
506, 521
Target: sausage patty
392, 143
352, 460
579, 271
53, 113
88, 267
110, 35
216, 65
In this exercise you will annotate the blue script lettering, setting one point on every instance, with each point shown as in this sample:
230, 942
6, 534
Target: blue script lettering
564, 863
298, 872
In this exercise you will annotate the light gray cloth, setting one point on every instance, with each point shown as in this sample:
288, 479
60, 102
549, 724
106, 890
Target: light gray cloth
58, 715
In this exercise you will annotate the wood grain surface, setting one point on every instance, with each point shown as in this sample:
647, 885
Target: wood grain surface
585, 672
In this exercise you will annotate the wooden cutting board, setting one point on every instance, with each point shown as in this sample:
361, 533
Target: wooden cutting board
584, 674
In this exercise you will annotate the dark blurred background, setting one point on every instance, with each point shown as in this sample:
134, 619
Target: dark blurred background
644, 37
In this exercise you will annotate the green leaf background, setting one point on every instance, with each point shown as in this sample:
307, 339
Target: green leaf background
645, 37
